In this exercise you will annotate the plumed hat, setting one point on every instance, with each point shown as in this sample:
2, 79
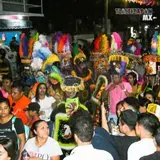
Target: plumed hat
116, 43
78, 54
55, 74
101, 44
62, 45
122, 60
50, 60
72, 84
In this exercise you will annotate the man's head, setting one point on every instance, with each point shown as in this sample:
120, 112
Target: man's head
82, 126
147, 125
16, 91
13, 38
116, 78
157, 137
131, 103
127, 121
143, 105
33, 109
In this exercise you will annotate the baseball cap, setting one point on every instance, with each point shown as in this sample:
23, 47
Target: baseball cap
129, 117
33, 106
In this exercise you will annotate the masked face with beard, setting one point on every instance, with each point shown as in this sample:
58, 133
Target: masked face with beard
81, 65
66, 66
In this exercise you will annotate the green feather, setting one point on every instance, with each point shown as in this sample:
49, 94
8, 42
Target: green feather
75, 49
57, 77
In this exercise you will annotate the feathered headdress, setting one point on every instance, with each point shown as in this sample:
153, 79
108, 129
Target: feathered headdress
116, 43
159, 44
155, 44
72, 84
122, 62
63, 45
101, 44
55, 41
78, 54
145, 2
23, 47
50, 60
33, 38
101, 49
55, 74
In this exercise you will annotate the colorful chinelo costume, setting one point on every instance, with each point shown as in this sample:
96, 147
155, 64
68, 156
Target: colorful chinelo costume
62, 47
82, 70
71, 86
99, 55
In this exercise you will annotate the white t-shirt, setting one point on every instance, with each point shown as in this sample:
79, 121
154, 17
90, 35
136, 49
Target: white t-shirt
141, 148
45, 152
87, 152
46, 107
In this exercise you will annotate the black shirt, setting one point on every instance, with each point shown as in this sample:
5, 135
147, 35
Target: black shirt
122, 143
5, 67
101, 141
154, 156
7, 131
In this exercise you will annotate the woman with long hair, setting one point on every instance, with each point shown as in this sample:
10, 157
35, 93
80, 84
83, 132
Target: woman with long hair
46, 104
133, 80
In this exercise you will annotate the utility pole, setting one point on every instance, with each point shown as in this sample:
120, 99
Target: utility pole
107, 21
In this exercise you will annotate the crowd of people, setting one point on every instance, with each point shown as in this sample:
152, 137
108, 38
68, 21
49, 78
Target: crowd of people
69, 106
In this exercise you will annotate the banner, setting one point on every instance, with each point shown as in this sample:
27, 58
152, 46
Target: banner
15, 24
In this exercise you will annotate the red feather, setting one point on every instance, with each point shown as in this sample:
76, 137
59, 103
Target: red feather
62, 43
97, 43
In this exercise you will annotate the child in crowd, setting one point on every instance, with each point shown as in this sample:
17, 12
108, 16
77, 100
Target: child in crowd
6, 86
33, 113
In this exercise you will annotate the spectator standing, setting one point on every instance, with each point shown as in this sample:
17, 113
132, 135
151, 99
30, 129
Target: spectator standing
82, 128
146, 127
155, 155
41, 146
117, 91
127, 123
6, 86
18, 101
46, 104
14, 44
133, 80
33, 113
8, 129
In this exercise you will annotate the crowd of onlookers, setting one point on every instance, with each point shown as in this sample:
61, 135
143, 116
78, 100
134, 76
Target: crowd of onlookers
26, 126
115, 118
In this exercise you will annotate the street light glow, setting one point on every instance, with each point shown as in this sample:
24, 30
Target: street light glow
20, 17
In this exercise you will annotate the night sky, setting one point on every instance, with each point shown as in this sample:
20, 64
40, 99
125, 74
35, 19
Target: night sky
62, 14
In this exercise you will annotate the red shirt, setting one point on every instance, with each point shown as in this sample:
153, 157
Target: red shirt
19, 107
34, 119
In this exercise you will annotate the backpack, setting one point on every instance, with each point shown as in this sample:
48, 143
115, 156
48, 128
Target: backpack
26, 129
